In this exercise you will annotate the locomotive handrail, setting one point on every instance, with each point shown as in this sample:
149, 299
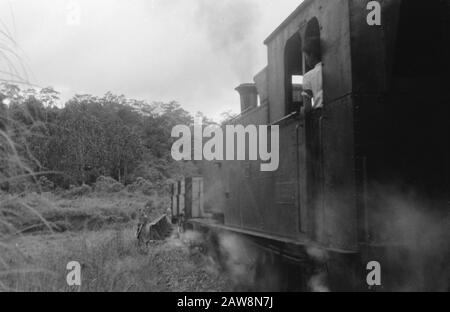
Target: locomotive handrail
286, 118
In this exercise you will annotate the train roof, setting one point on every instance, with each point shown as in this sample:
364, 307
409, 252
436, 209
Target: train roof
288, 20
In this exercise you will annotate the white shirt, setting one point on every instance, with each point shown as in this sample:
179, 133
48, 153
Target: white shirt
313, 81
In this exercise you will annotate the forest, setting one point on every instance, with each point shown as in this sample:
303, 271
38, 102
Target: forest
89, 137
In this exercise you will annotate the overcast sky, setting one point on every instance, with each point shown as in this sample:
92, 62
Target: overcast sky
192, 51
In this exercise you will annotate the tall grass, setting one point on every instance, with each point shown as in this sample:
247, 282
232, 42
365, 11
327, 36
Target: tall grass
104, 257
13, 167
13, 68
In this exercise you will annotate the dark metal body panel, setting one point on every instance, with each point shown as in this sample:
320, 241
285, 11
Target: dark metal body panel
266, 201
337, 214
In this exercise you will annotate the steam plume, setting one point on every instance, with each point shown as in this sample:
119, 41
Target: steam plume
230, 26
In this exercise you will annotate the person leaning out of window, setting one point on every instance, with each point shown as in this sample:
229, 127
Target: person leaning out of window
312, 80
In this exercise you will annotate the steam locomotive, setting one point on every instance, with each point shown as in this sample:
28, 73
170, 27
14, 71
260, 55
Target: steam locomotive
384, 142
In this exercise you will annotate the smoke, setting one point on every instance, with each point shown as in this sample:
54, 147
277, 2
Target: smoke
317, 254
317, 283
230, 28
409, 234
239, 259
319, 280
221, 253
415, 232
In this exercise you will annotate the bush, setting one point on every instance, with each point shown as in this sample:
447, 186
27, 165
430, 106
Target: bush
142, 185
165, 187
74, 192
45, 184
108, 185
151, 170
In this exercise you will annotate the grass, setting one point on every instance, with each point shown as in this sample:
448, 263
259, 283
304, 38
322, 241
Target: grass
110, 259
27, 214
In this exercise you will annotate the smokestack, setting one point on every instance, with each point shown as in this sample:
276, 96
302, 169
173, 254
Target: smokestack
249, 96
